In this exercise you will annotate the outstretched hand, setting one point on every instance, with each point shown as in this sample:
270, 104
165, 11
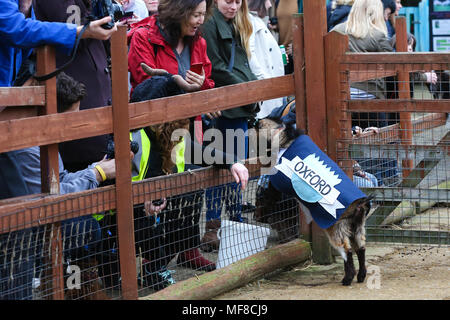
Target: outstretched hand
240, 174
152, 209
95, 30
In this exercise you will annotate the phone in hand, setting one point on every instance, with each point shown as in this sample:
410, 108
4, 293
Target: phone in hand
127, 16
158, 202
197, 68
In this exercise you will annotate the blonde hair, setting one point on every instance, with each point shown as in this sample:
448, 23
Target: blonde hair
243, 26
345, 2
365, 17
335, 3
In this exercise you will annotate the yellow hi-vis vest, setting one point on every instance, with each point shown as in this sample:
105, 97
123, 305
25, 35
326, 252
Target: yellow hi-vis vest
139, 164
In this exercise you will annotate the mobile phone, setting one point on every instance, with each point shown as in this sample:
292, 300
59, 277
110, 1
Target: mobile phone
158, 202
127, 15
197, 68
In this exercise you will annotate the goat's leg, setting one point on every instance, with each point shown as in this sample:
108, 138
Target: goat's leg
361, 253
349, 269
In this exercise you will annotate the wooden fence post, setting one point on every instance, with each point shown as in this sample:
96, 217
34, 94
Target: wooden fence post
300, 97
315, 28
339, 121
406, 127
46, 63
121, 130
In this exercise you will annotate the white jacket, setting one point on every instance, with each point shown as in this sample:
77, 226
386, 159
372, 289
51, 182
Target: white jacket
266, 60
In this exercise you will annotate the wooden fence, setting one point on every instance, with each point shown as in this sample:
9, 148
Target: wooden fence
320, 83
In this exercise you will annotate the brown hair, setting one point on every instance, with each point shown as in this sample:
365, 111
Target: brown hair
163, 133
173, 13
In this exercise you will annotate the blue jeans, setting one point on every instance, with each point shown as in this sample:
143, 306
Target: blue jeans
230, 193
361, 182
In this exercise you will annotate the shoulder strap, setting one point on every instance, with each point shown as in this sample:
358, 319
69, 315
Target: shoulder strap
233, 49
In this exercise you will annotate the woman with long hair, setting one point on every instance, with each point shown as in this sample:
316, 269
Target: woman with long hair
227, 34
169, 40
266, 59
367, 32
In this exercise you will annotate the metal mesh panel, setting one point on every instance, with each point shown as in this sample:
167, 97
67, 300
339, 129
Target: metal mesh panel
77, 236
401, 157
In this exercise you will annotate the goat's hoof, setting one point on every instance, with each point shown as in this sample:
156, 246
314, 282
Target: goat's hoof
361, 276
347, 280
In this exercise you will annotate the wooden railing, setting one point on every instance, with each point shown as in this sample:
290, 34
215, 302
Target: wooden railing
320, 83
19, 129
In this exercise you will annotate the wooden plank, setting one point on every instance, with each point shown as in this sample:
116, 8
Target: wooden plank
397, 151
46, 63
404, 93
359, 76
399, 105
300, 99
382, 67
397, 57
22, 96
237, 274
411, 194
11, 113
315, 28
299, 71
36, 212
339, 122
93, 122
180, 107
121, 129
408, 236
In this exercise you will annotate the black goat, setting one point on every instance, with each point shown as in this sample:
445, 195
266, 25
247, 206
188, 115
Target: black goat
347, 234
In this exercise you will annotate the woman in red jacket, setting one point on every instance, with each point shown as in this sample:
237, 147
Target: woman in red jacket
170, 40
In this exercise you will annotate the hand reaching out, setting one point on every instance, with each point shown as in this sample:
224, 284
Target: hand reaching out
240, 174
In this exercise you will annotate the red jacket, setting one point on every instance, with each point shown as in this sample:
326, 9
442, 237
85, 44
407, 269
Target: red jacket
143, 36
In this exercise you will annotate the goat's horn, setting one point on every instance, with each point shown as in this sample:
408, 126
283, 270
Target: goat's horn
153, 72
183, 84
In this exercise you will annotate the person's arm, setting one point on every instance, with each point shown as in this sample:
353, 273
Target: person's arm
88, 178
17, 31
225, 161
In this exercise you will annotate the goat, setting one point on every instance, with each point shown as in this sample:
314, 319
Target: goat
346, 230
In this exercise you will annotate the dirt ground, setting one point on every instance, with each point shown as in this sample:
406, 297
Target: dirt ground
394, 272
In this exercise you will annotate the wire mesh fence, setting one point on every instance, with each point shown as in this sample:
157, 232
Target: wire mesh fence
399, 147
207, 222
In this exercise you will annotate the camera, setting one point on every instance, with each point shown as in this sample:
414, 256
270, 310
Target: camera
103, 8
110, 149
273, 21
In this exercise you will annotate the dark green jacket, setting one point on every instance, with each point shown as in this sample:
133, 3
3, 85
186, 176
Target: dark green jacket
218, 34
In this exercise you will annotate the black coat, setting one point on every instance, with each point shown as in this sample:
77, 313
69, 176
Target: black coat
90, 68
337, 16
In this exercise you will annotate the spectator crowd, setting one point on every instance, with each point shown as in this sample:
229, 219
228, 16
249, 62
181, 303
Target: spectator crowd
174, 47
